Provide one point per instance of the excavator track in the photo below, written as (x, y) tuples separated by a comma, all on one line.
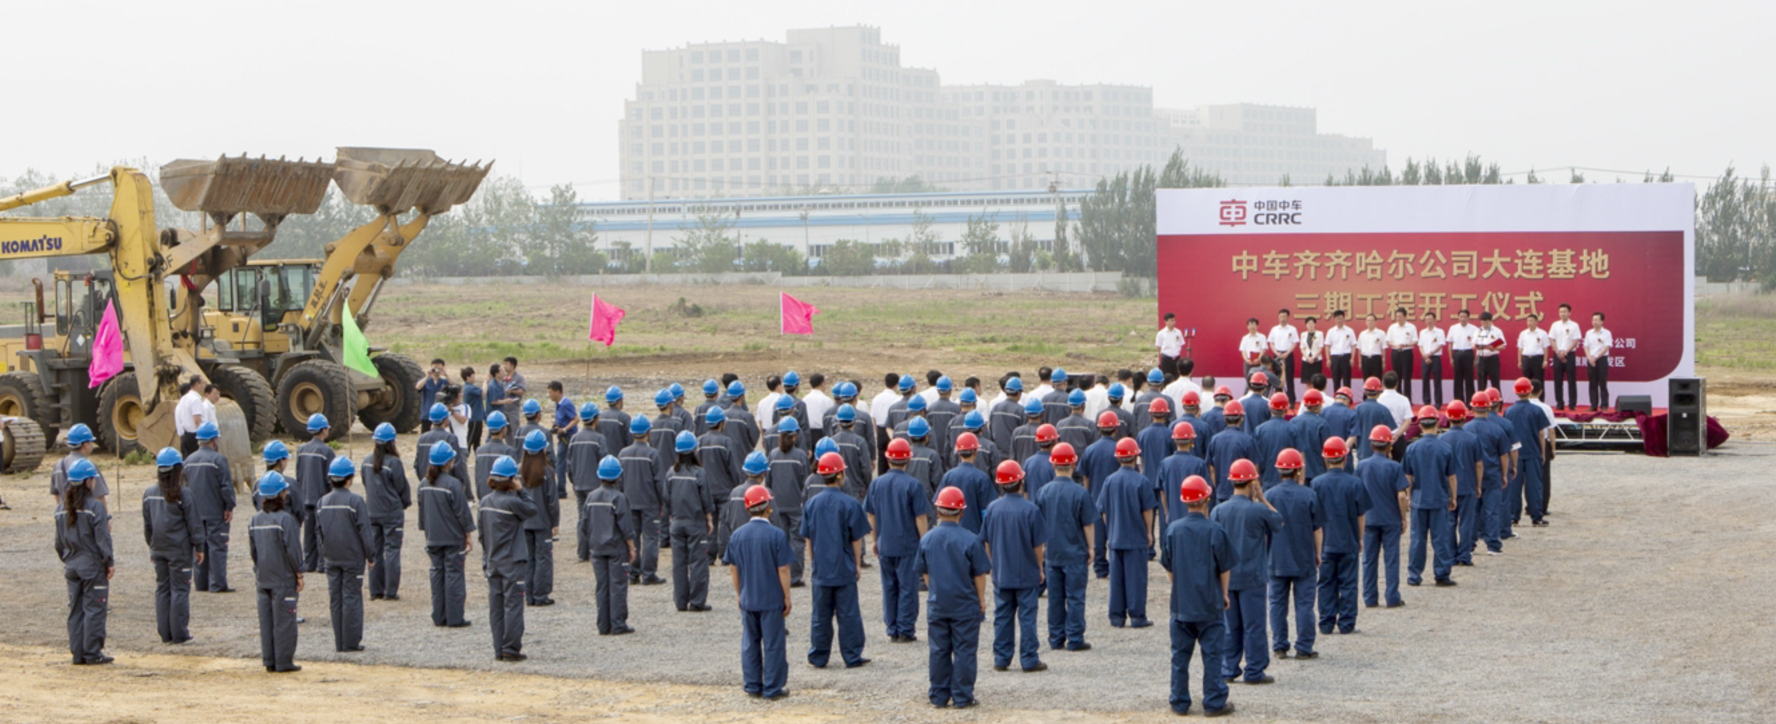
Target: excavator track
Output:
[(23, 446)]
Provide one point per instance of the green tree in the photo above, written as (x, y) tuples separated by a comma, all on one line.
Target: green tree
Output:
[(847, 258), (924, 239), (560, 245), (766, 256), (1062, 251), (980, 243), (909, 185), (1023, 248), (708, 247)]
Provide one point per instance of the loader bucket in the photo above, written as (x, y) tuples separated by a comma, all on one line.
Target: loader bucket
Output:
[(395, 180), (232, 186)]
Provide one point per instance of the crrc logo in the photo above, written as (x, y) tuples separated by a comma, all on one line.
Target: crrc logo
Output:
[(1233, 212), (1269, 212)]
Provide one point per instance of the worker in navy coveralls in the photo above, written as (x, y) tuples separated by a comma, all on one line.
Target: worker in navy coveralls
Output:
[(1343, 501), (897, 506), (1385, 482), (1069, 513), (1014, 533), (758, 555), (1198, 558), (834, 526), (1430, 470), (1250, 522), (1294, 556), (955, 568), (1128, 503)]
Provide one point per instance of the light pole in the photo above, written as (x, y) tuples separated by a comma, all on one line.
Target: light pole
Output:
[(866, 229)]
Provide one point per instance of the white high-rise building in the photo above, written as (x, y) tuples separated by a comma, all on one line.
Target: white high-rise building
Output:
[(1252, 144), (1041, 132)]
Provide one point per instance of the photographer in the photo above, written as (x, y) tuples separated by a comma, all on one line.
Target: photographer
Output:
[(429, 386)]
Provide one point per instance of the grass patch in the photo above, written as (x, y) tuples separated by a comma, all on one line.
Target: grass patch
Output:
[(1736, 332)]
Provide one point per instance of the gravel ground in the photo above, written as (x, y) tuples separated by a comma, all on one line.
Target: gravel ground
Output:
[(1648, 598)]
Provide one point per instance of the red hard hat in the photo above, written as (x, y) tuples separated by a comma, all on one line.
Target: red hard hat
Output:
[(1259, 379), (1279, 401), (1523, 386), (1233, 408), (899, 449), (830, 463), (1223, 391), (1334, 448), (1493, 395), (1190, 399), (1456, 410), (1344, 392), (1159, 406), (1127, 448), (1313, 398), (1062, 454), (1290, 459), (1183, 431), (951, 498), (1427, 412), (1047, 433), (1108, 419), (967, 441), (1242, 470), (1481, 400), (757, 495), (1010, 472), (1381, 433), (1194, 490), (1372, 384)]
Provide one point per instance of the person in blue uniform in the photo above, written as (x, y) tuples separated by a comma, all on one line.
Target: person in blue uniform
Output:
[(1370, 414), (1385, 483), (1023, 439), (1311, 429), (613, 422), (1529, 427), (897, 506), (388, 495), (440, 433), (1175, 469), (1250, 522), (1343, 501), (1198, 558), (1014, 532), (495, 447), (1054, 404), (312, 460), (644, 483), (1156, 446), (1294, 556), (789, 471), (83, 545), (976, 486), (1069, 513), (857, 448), (1430, 470), (171, 527), (1097, 463), (758, 557), (719, 454), (211, 481), (834, 525), (1216, 419), (1144, 410), (445, 519), (954, 565), (1341, 419), (1497, 454), (1228, 446), (1190, 410), (1038, 468), (1004, 419), (1128, 502), (1256, 405), (1273, 436), (926, 466), (605, 523), (690, 505), (1469, 469), (347, 549), (275, 546), (1075, 428), (732, 512), (536, 477), (578, 458), (504, 557)]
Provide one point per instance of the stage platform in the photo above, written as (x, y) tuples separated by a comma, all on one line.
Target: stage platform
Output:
[(1599, 431)]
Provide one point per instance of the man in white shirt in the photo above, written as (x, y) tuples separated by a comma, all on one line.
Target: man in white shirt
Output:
[(1461, 354), (1170, 341), (1097, 397), (767, 405), (1532, 348), (1183, 384), (1341, 342), (188, 415), (930, 393), (1598, 342), (1283, 339), (212, 395), (817, 400), (1566, 336), (1313, 351), (1402, 340), (1396, 403), (1371, 344), (1042, 390), (1253, 348), (1488, 341), (878, 409), (1430, 346)]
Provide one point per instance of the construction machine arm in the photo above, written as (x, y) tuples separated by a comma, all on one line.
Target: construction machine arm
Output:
[(65, 188)]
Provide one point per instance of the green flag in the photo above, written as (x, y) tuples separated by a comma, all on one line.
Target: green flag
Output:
[(357, 349)]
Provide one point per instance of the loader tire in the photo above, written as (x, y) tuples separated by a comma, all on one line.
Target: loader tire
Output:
[(398, 404), (249, 390), (316, 386), (24, 446), (22, 395), (121, 412)]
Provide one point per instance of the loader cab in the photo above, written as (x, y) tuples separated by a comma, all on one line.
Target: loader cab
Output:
[(254, 299), (80, 301)]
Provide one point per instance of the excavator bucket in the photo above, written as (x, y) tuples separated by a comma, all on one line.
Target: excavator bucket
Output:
[(231, 186), (395, 180)]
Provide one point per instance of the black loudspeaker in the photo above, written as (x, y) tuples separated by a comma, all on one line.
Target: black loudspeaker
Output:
[(1642, 404), (1687, 423)]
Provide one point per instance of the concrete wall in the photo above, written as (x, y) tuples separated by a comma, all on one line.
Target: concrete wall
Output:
[(1069, 282), (1705, 288)]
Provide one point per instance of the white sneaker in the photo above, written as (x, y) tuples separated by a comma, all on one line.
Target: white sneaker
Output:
[(1491, 552)]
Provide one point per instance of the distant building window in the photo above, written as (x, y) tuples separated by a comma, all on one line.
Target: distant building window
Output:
[(697, 76), (795, 56), (752, 54), (696, 56), (734, 56)]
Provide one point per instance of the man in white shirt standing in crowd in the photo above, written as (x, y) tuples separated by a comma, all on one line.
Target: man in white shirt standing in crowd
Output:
[(1461, 354), (1532, 349), (1430, 346), (188, 415), (1283, 340), (1313, 351), (1183, 384), (1566, 337), (1370, 345), (1487, 342), (1341, 341), (1253, 347), (1170, 342), (1598, 343), (1395, 402), (817, 400), (1402, 339)]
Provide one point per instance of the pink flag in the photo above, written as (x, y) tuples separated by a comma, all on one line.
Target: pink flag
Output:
[(605, 318), (798, 316), (107, 350)]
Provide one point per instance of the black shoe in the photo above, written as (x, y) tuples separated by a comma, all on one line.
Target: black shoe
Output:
[(1181, 712), (1038, 667), (222, 590), (1326, 630), (98, 661), (940, 704), (465, 623), (755, 695), (967, 704), (1280, 653), (177, 642), (777, 696), (1308, 655), (797, 584), (1349, 631), (1083, 646), (1464, 563), (1371, 605), (1223, 711), (1445, 582), (376, 598), (1265, 679), (682, 609), (652, 581), (1117, 624), (697, 607), (1001, 667), (1140, 623), (513, 658), (351, 650), (635, 580), (391, 597), (291, 670), (1413, 582), (1396, 604), (1508, 536), (543, 602), (1540, 524), (623, 629), (860, 662)]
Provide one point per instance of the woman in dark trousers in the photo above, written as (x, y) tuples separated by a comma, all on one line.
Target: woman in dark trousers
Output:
[(171, 527), (504, 558), (472, 396), (445, 519), (276, 550), (537, 476), (83, 543), (388, 495)]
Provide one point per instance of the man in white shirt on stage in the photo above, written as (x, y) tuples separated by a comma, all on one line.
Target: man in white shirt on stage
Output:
[(1341, 342), (1170, 341), (1598, 343), (1566, 337), (1370, 345), (1253, 347), (1488, 340), (1402, 339), (1313, 351), (1430, 346), (1283, 340), (1461, 354), (1532, 349)]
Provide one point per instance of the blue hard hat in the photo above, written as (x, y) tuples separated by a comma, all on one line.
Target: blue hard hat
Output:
[(918, 427), (167, 457), (756, 464), (208, 431), (916, 404), (825, 446), (1059, 375), (1154, 376), (341, 467), (613, 394), (275, 451), (504, 467), (677, 390), (663, 398), (1033, 407), (82, 470), (386, 432), (1076, 398), (944, 384), (439, 412), (711, 387), (1015, 384), (973, 420), (792, 379), (442, 453), (685, 442), (735, 389), (610, 468), (639, 426), (906, 383), (715, 416), (588, 411), (789, 424), (968, 397), (844, 390), (785, 402), (846, 413), (496, 420), (79, 435), (535, 441), (531, 408), (270, 484), (1117, 391), (318, 422)]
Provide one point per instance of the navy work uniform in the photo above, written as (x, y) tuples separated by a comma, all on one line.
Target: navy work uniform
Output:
[(1227, 446), (312, 460), (171, 528), (789, 470), (691, 506), (834, 526), (1015, 532), (1527, 426), (492, 450), (952, 560), (342, 525), (1128, 503), (1311, 431), (274, 544), (1273, 436), (1172, 473), (613, 422), (977, 488), (211, 482), (584, 450), (1383, 480), (606, 522), (1343, 502), (388, 495), (505, 563), (1294, 564), (1096, 464), (445, 519), (1369, 414), (440, 433), (1495, 454), (1023, 438), (1038, 471), (1465, 521), (926, 466), (83, 544), (1429, 465), (540, 529), (897, 504), (759, 555), (1007, 417), (1068, 513), (720, 455), (1198, 556), (644, 484), (1249, 525), (1257, 409)]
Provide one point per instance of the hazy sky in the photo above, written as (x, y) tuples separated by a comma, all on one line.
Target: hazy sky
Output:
[(539, 86)]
